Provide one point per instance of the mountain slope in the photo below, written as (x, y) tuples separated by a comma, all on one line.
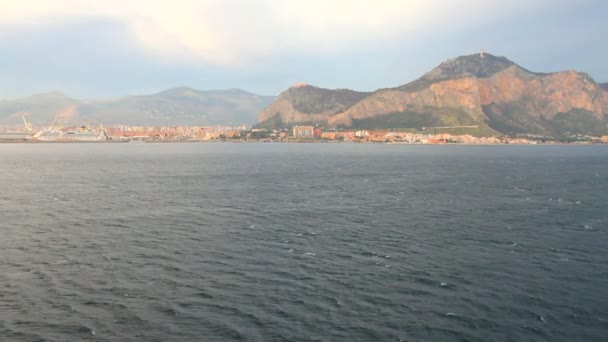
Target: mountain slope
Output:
[(176, 106), (181, 106), (489, 94), (307, 104), (472, 66), (40, 108)]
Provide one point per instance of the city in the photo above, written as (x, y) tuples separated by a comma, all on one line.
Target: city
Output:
[(297, 134)]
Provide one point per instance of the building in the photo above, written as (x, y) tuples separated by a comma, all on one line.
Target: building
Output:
[(362, 134), (346, 135), (303, 132), (329, 135)]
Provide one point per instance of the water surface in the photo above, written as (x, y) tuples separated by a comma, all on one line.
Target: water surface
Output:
[(303, 242)]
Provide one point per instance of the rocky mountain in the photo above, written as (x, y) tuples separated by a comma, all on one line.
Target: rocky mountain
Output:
[(480, 94), (177, 106), (477, 66), (307, 104)]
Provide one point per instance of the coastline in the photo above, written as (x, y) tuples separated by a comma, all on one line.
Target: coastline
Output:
[(35, 142)]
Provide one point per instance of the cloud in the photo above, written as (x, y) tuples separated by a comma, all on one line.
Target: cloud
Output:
[(236, 32)]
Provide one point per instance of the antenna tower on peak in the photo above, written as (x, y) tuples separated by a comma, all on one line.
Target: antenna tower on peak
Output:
[(482, 52)]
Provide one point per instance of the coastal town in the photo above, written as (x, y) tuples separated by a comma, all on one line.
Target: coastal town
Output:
[(298, 134)]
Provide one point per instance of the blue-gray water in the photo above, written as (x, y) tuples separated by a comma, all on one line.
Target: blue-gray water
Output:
[(303, 242)]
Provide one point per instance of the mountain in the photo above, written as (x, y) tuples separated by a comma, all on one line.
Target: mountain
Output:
[(480, 94), (176, 106), (478, 66), (38, 108), (604, 86), (307, 104)]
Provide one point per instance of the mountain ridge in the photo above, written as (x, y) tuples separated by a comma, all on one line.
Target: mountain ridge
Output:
[(173, 106), (491, 93)]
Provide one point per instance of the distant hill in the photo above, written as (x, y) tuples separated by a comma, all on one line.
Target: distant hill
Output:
[(40, 108), (176, 106), (604, 86), (480, 94)]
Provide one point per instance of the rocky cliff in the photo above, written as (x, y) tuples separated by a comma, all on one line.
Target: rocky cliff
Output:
[(489, 94)]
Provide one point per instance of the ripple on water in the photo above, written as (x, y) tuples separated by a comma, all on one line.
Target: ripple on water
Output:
[(302, 243)]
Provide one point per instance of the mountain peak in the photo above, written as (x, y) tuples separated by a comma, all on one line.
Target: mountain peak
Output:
[(305, 101), (479, 65), (300, 85), (303, 91)]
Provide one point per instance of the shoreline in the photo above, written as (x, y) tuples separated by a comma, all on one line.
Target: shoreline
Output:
[(295, 142)]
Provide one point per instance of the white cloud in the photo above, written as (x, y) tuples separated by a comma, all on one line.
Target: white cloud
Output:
[(232, 32)]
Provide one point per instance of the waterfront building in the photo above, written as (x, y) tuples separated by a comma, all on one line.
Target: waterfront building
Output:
[(303, 132), (362, 134)]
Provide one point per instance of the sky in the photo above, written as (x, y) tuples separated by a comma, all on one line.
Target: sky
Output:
[(107, 49)]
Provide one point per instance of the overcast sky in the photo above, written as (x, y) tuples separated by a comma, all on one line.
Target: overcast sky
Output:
[(99, 48)]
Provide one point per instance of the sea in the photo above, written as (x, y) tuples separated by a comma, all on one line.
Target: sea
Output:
[(303, 242)]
